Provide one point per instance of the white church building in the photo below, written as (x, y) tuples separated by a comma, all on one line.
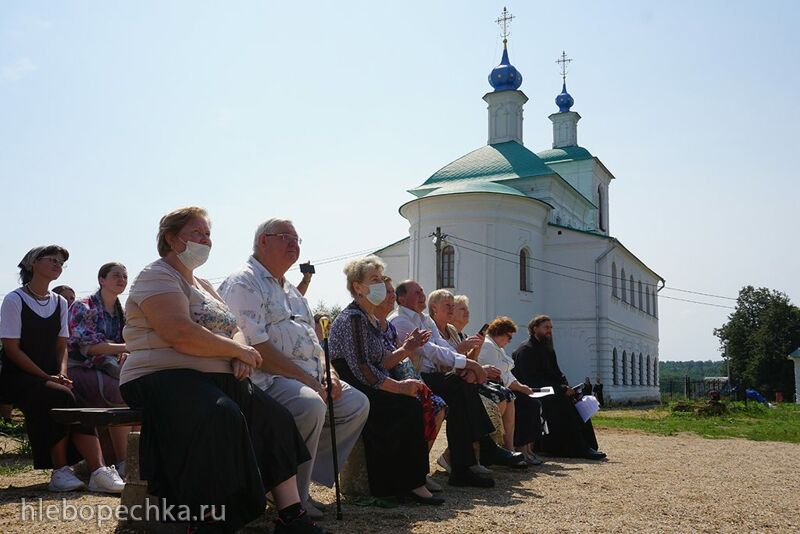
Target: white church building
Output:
[(527, 233)]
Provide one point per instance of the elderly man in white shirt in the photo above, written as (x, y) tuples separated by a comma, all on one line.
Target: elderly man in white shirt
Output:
[(276, 320), (467, 421)]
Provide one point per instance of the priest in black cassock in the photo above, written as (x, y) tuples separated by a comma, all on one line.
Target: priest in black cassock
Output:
[(535, 364)]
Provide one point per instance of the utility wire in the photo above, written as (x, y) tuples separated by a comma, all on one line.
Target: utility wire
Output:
[(515, 262), (583, 270)]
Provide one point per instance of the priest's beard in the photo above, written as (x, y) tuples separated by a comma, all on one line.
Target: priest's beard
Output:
[(545, 340)]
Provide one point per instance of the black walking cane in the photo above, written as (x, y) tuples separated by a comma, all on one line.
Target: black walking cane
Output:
[(325, 323)]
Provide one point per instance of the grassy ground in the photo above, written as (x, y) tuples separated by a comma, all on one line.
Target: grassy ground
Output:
[(754, 421)]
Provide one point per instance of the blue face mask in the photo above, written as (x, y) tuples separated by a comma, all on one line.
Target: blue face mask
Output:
[(377, 293)]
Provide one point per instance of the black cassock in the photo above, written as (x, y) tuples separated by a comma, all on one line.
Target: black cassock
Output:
[(535, 365)]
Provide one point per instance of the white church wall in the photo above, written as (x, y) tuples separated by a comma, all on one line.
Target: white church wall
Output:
[(489, 278), (396, 258)]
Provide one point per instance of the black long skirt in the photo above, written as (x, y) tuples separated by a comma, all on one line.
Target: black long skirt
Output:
[(567, 434), (35, 397), (527, 420), (209, 439), (394, 439)]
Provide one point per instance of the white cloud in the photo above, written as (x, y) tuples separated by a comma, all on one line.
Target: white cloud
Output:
[(16, 70)]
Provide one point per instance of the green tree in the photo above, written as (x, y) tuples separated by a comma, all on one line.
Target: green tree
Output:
[(759, 334), (332, 311)]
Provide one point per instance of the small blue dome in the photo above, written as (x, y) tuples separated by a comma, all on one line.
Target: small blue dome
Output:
[(564, 101), (505, 77)]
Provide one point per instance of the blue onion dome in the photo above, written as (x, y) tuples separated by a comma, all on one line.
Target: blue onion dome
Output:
[(505, 77), (564, 101)]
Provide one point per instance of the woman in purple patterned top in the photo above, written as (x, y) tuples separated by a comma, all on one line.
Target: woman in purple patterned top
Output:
[(97, 350)]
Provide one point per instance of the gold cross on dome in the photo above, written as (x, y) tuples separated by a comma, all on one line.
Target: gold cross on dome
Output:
[(563, 61), (505, 21)]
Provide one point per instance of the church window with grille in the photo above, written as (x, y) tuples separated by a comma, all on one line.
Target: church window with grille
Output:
[(633, 294), (648, 370), (624, 290), (624, 368), (448, 266), (614, 367), (614, 279), (641, 369), (633, 368), (601, 212), (641, 296), (524, 271)]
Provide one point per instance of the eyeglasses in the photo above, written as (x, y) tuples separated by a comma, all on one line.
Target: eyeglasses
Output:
[(287, 238), (54, 261)]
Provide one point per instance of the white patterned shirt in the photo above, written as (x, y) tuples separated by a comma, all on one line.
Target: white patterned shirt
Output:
[(437, 354), (268, 311)]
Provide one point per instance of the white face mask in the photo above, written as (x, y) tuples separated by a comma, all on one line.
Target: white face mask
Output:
[(194, 255), (377, 293)]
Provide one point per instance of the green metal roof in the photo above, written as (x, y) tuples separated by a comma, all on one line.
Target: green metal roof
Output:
[(476, 187), (561, 155), (502, 161)]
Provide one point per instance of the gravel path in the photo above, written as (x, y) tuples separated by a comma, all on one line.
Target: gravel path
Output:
[(650, 484)]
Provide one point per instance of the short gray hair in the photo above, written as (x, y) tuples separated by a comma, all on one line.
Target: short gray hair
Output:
[(462, 299), (356, 270), (437, 296), (267, 227)]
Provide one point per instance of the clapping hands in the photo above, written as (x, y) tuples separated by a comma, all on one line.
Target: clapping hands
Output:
[(416, 339)]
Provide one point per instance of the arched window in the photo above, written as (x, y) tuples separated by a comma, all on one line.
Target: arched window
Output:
[(614, 279), (641, 369), (633, 368), (624, 291), (448, 267), (647, 301), (655, 372), (601, 211), (655, 303), (641, 296), (648, 370), (624, 368), (524, 271), (614, 367), (633, 294)]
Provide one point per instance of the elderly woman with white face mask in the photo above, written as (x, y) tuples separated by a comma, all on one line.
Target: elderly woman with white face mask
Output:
[(209, 437), (394, 440)]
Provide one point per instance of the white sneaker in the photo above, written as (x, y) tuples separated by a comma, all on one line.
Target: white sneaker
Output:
[(64, 479), (106, 480)]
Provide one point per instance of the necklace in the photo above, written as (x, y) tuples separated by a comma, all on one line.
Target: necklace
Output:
[(41, 300)]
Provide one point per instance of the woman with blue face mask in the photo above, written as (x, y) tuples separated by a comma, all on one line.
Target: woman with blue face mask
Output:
[(395, 444), (208, 436)]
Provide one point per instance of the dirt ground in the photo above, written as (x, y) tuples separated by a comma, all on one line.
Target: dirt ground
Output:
[(649, 484)]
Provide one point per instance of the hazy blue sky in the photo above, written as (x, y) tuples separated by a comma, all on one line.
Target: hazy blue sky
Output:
[(113, 113)]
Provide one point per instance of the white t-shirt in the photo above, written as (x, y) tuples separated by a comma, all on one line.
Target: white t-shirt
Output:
[(11, 313)]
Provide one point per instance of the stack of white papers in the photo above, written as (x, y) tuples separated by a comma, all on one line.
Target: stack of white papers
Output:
[(544, 392)]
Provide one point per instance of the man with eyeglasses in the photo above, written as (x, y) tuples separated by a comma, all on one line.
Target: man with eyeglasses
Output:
[(275, 319)]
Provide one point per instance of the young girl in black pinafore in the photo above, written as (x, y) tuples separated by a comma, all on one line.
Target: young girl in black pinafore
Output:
[(34, 331)]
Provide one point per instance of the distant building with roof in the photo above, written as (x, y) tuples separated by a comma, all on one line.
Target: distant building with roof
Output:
[(528, 233)]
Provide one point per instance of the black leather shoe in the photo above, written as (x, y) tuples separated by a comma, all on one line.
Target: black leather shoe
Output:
[(466, 478), (419, 499), (504, 457), (591, 454)]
